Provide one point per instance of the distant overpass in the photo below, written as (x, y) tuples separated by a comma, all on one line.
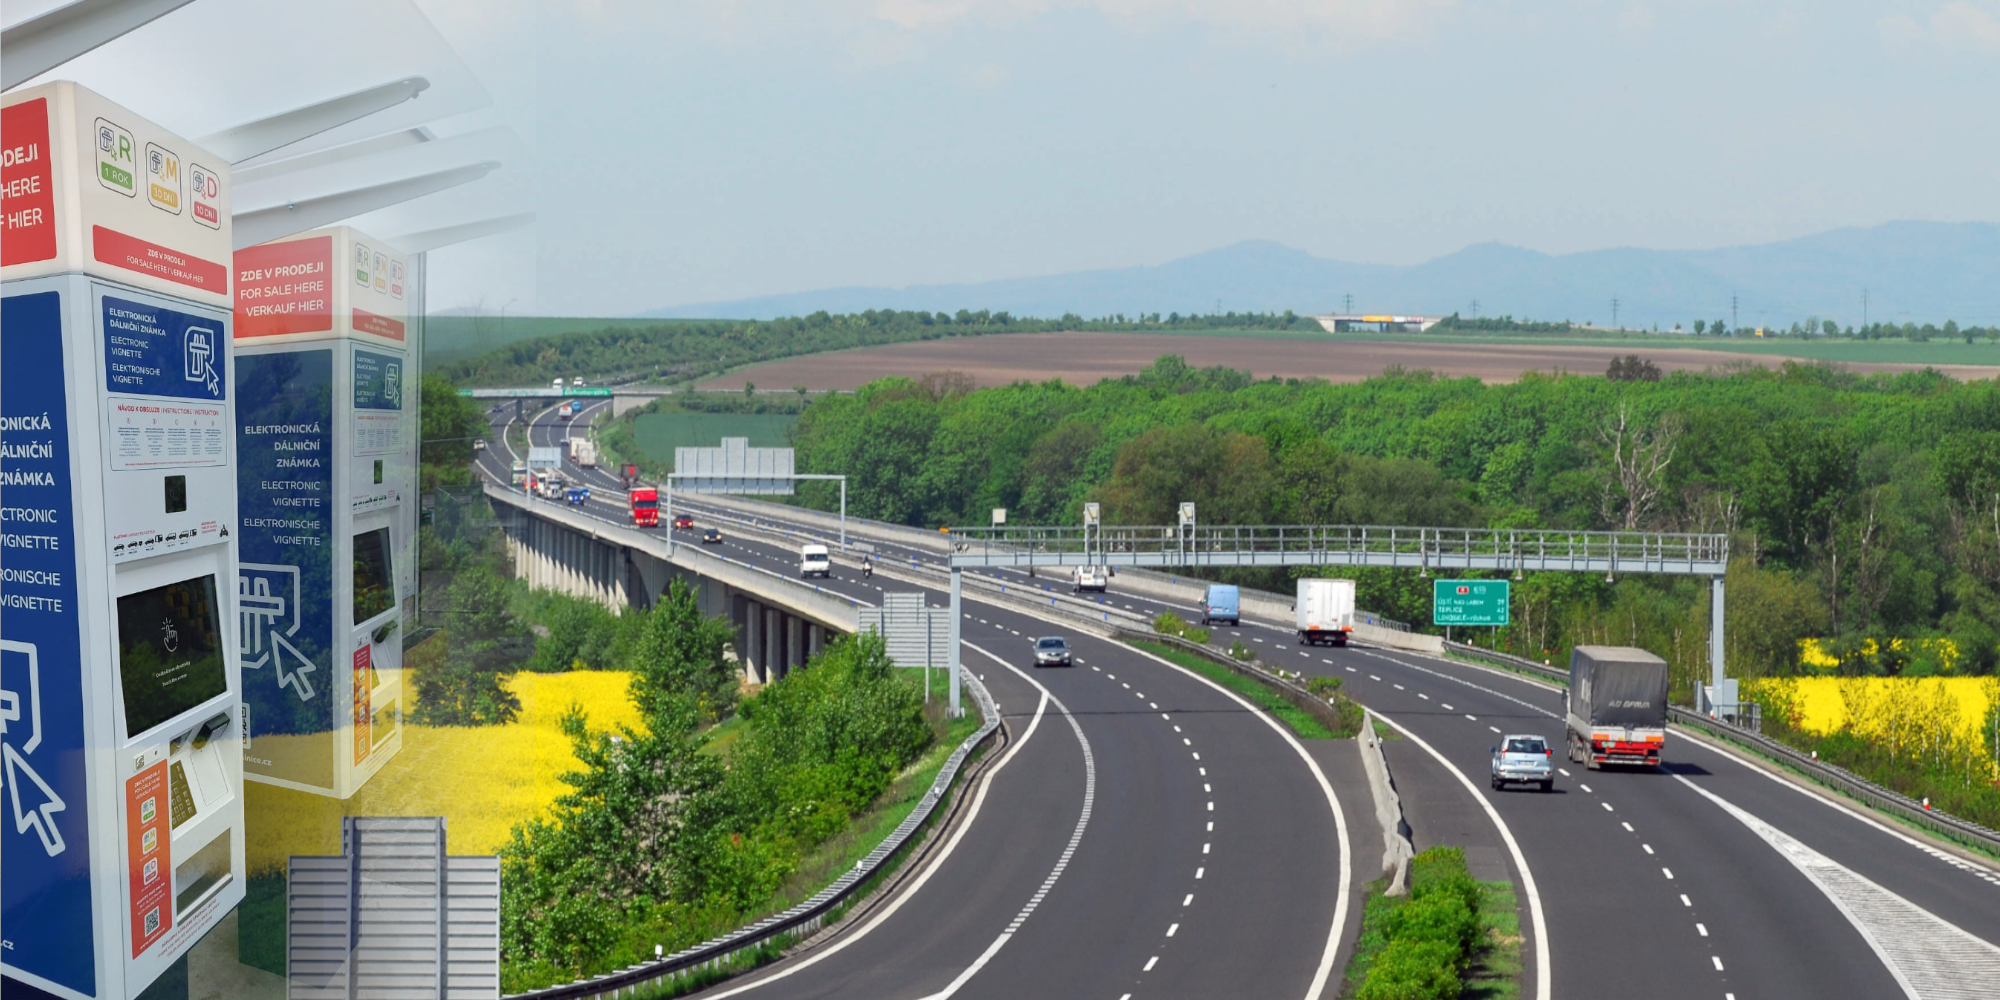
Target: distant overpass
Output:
[(1376, 323), (623, 398)]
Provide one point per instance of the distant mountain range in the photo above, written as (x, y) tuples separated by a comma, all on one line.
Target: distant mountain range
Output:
[(1911, 271)]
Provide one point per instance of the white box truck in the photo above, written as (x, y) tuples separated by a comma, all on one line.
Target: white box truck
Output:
[(583, 453), (1325, 611)]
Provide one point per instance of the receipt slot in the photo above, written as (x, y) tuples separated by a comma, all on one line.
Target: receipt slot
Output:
[(326, 440), (121, 788)]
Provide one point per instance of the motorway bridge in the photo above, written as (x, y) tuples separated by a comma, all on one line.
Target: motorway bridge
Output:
[(1145, 834)]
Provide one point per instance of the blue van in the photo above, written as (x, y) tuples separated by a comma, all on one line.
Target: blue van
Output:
[(1223, 604)]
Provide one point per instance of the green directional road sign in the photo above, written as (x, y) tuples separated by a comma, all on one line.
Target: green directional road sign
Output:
[(1469, 602)]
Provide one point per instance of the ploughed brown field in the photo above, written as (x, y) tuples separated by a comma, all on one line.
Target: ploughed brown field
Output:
[(1084, 358)]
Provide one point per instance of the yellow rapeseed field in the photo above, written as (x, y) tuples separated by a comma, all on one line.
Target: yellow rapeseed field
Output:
[(482, 779), (1875, 706)]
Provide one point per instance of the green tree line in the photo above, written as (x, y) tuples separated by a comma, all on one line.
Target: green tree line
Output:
[(1857, 506)]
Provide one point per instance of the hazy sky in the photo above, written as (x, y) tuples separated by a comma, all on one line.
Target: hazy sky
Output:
[(694, 151)]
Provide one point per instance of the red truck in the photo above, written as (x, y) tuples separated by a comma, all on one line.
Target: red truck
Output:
[(644, 503)]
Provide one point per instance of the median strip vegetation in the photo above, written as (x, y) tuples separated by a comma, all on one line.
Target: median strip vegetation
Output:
[(1451, 937), (1301, 722)]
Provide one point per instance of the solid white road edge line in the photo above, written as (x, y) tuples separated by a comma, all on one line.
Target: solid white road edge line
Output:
[(978, 800), (1514, 848), (1325, 970), (1076, 835)]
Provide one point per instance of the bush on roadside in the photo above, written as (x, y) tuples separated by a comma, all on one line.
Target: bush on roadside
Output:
[(1429, 939), (1194, 634), (1412, 970), (1241, 651), (1168, 623)]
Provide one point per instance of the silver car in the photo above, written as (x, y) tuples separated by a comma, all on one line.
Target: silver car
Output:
[(1051, 651), (1523, 759)]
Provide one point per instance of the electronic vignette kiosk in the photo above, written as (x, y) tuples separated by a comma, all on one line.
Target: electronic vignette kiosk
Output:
[(121, 822), (328, 484)]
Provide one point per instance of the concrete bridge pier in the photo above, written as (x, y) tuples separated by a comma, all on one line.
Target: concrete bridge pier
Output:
[(779, 624)]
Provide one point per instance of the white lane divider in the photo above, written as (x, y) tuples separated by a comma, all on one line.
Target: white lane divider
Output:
[(1076, 836), (1929, 957), (1528, 886)]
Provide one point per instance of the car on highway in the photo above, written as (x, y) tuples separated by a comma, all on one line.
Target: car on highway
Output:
[(683, 522), (711, 536), (1525, 759), (1052, 651)]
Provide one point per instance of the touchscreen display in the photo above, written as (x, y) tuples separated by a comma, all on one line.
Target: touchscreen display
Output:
[(169, 652), (374, 575)]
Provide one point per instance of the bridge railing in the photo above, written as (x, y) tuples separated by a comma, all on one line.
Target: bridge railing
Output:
[(1342, 545)]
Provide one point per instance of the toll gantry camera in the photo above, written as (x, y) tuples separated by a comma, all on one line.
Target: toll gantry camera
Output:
[(120, 694)]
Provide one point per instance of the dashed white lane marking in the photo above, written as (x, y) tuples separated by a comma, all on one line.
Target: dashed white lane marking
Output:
[(1373, 677), (1606, 805), (1199, 872), (1929, 957), (1628, 828), (1155, 960), (1076, 835), (1471, 716), (1448, 708), (1563, 771), (1204, 848), (1205, 790), (1398, 687), (1717, 959), (1494, 728), (1648, 848), (1580, 784), (1151, 704), (1171, 928), (1189, 899), (1685, 901), (1702, 928), (1668, 872), (1124, 685), (1350, 670)]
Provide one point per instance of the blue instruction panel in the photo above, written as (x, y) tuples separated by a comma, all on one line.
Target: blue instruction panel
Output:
[(45, 911), (151, 350), (285, 540)]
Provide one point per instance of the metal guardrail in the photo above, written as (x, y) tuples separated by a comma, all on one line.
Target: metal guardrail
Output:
[(1945, 825), (806, 917), (1506, 549)]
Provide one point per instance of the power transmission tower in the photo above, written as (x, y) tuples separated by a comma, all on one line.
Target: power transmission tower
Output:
[(1475, 308), (1348, 307), (1732, 311), (1614, 312), (1864, 307)]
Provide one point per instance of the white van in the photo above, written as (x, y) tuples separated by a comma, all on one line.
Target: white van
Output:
[(1090, 579), (814, 561)]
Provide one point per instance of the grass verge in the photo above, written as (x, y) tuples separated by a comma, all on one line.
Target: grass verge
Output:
[(1496, 964), (1301, 722)]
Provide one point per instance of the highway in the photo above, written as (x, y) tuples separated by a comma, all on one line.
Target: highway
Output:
[(1145, 834), (1709, 878)]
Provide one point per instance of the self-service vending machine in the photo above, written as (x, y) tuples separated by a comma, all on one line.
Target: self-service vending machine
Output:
[(121, 815), (327, 481)]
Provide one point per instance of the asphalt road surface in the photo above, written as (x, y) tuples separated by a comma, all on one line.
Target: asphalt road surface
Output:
[(1710, 877)]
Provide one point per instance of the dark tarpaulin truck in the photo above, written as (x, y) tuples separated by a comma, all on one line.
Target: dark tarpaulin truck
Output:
[(1617, 706)]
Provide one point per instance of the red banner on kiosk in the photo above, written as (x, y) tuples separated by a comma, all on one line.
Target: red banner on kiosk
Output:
[(363, 716), (149, 856), (27, 189), (284, 288)]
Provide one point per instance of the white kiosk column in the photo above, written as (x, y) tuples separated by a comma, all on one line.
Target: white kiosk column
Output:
[(328, 484), (120, 696)]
